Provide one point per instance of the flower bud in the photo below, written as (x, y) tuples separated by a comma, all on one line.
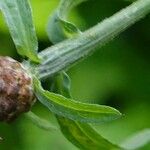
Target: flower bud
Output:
[(16, 93)]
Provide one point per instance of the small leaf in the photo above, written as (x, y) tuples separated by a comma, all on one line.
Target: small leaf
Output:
[(58, 26), (18, 17), (41, 123), (138, 140), (74, 110)]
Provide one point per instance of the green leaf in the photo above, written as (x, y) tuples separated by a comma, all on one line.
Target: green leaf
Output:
[(80, 134), (138, 140), (18, 16), (74, 110), (84, 136), (58, 26), (41, 123)]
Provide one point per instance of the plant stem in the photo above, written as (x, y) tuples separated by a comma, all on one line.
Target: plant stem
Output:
[(66, 53), (41, 123)]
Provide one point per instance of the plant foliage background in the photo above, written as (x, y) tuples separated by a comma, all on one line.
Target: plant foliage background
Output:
[(116, 75)]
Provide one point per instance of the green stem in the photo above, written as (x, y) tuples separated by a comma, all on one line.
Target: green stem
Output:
[(64, 54), (41, 123)]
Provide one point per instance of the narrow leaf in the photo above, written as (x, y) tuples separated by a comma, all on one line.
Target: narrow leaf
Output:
[(138, 140), (80, 134), (84, 136), (74, 110), (58, 26), (18, 16), (41, 123)]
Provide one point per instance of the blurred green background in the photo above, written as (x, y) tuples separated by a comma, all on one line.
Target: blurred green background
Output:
[(117, 75)]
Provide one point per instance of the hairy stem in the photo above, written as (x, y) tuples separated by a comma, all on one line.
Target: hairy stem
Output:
[(65, 54)]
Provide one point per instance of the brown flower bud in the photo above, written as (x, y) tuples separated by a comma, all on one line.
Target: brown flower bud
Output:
[(16, 94)]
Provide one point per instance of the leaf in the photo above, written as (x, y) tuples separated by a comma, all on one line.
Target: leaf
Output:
[(41, 123), (80, 134), (138, 140), (74, 110), (18, 16), (58, 26), (84, 136)]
